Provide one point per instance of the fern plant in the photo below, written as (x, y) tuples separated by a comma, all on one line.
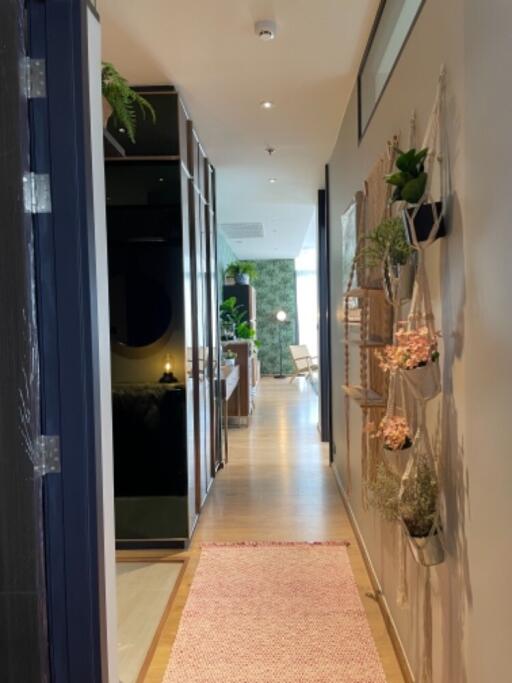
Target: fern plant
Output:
[(123, 100)]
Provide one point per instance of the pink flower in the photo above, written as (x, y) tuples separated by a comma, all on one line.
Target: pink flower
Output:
[(395, 432), (413, 348)]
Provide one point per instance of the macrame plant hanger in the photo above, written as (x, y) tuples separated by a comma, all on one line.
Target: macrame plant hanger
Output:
[(424, 382)]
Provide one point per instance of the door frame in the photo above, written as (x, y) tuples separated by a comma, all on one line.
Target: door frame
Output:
[(67, 317), (324, 315)]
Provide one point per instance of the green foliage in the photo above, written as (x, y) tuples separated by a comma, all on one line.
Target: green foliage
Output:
[(232, 313), (383, 493), (242, 268), (123, 99), (410, 180), (244, 331), (418, 505), (387, 241), (230, 354)]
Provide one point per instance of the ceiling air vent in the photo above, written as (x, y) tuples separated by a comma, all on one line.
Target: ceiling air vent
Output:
[(242, 231)]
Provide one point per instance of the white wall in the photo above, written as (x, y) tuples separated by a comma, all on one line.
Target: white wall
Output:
[(469, 271), (105, 484)]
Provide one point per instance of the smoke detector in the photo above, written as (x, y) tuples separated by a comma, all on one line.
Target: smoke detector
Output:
[(266, 29)]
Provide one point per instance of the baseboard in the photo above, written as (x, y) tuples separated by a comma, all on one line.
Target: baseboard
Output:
[(382, 602)]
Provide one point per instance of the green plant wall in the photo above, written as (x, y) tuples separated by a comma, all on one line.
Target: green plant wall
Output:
[(276, 290)]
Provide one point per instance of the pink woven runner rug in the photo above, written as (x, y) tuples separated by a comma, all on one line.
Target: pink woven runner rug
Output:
[(274, 613)]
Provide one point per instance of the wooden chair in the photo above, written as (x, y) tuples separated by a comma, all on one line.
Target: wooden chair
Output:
[(305, 363)]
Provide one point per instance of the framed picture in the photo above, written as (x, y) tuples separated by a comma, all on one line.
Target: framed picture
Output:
[(351, 231)]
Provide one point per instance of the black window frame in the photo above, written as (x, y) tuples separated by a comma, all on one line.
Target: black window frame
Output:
[(361, 130)]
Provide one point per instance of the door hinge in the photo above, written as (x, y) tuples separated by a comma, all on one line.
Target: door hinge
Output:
[(48, 455), (36, 193), (34, 77)]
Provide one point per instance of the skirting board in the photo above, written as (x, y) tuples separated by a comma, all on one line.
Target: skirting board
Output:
[(384, 607)]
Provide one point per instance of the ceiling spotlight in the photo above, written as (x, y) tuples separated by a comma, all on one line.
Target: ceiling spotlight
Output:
[(266, 104), (270, 150), (265, 30), (272, 180)]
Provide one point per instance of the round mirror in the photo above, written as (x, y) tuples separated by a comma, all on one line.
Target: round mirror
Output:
[(140, 310)]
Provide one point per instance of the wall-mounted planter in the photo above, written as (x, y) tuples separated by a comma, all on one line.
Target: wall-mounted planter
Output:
[(424, 221), (427, 550), (242, 279), (424, 381)]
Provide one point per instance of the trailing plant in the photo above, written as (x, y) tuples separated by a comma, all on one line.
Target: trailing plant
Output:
[(242, 268), (387, 241), (410, 178), (230, 354), (383, 492), (123, 99), (413, 349), (244, 331)]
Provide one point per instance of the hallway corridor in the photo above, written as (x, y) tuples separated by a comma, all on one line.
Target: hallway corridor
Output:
[(277, 486)]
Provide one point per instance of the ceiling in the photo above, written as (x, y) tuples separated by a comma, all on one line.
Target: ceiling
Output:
[(209, 50)]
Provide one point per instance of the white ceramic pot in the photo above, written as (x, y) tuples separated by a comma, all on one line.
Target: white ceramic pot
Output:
[(230, 362), (424, 381), (428, 550)]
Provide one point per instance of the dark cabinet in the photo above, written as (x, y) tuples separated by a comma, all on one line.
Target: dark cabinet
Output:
[(163, 299)]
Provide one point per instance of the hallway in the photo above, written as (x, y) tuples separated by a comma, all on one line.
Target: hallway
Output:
[(277, 486)]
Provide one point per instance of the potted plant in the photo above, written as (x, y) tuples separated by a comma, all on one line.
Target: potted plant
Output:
[(410, 183), (412, 501), (397, 441), (416, 355), (417, 509), (386, 247), (230, 358), (120, 101), (242, 272), (231, 315)]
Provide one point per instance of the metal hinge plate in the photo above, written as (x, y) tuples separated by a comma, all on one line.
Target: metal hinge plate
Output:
[(34, 77), (48, 451), (36, 193)]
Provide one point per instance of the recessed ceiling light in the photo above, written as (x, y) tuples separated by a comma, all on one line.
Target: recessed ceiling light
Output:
[(272, 180), (266, 104), (160, 180)]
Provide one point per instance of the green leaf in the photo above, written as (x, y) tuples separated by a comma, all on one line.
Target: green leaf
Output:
[(414, 190), (406, 162)]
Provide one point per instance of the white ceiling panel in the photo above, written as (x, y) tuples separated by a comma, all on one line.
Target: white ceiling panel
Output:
[(208, 49)]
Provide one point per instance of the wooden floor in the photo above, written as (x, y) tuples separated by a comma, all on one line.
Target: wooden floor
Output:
[(277, 486)]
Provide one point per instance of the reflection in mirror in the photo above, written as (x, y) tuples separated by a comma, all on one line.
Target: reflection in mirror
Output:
[(140, 310)]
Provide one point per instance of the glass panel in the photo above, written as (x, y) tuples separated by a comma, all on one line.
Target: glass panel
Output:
[(23, 634), (394, 25)]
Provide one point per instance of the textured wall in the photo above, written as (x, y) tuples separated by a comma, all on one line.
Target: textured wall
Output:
[(470, 279), (276, 289)]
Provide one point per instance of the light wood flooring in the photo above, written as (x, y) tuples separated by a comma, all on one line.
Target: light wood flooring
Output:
[(278, 486)]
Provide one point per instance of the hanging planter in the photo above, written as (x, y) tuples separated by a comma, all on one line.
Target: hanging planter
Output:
[(424, 381), (396, 459), (427, 550), (418, 503), (398, 281), (424, 218)]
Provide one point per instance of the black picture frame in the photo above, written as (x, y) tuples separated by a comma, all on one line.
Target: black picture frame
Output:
[(361, 130)]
